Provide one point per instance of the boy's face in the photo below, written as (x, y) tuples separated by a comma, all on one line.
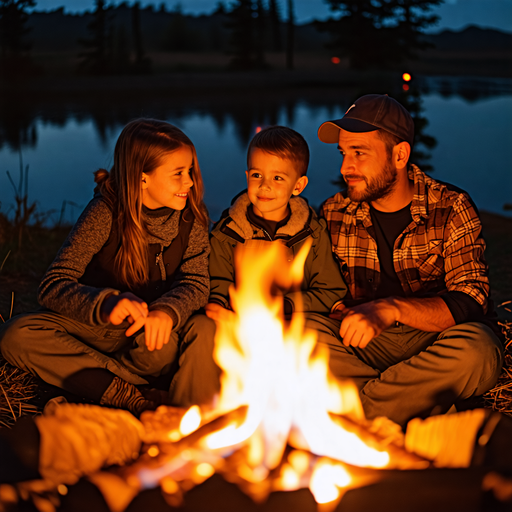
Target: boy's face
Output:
[(271, 181)]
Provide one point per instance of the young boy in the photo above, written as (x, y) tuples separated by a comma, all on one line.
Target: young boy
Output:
[(277, 161)]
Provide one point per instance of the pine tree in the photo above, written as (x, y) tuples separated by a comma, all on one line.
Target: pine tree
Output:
[(121, 50), (14, 48), (378, 33), (220, 8), (355, 32), (261, 15), (241, 23), (179, 37), (414, 17), (97, 60), (274, 16), (290, 35), (142, 63)]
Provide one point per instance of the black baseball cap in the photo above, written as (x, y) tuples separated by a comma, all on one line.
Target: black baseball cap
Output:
[(369, 113)]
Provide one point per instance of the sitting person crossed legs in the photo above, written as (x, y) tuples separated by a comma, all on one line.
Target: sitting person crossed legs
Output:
[(416, 329)]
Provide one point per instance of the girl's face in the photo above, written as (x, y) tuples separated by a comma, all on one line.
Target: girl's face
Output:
[(169, 184)]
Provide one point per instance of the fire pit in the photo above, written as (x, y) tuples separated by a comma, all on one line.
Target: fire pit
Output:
[(282, 435)]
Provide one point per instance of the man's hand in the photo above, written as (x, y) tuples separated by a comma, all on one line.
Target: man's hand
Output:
[(217, 312), (157, 327), (126, 306), (360, 324)]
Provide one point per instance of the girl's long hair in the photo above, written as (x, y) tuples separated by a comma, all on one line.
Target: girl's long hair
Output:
[(140, 149)]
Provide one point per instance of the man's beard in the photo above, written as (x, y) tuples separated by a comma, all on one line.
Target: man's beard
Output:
[(377, 187)]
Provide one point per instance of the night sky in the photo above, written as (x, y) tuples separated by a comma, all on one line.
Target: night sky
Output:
[(455, 14)]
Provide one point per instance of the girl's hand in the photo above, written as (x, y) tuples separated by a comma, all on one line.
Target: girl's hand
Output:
[(158, 328), (117, 308), (217, 312)]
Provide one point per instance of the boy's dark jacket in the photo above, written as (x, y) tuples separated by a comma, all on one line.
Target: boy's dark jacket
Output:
[(322, 286)]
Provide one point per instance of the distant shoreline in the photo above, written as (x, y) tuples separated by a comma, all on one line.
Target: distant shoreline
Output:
[(191, 82)]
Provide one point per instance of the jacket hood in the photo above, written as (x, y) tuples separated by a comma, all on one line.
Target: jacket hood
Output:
[(239, 223)]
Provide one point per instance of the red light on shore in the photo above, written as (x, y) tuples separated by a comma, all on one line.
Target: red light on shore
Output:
[(335, 60), (405, 87), (258, 129), (406, 77)]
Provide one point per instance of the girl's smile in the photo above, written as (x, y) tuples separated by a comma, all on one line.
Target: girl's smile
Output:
[(169, 184)]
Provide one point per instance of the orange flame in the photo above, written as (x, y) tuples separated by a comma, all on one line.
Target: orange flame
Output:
[(279, 373)]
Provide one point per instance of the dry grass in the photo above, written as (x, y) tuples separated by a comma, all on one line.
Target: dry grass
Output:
[(499, 398), (17, 389)]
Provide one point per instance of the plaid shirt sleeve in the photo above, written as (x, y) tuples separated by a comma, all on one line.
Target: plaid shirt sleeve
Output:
[(464, 263)]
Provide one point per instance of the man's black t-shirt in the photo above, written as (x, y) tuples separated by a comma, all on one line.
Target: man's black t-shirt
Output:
[(387, 228)]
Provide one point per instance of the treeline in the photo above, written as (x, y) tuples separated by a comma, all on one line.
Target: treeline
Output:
[(120, 39)]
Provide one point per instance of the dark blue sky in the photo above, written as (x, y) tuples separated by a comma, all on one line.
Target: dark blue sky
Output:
[(455, 14)]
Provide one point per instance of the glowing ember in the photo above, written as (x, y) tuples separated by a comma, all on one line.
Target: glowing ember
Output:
[(326, 481), (190, 421)]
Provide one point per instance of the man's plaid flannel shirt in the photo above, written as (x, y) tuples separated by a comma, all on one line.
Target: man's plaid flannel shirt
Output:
[(441, 250)]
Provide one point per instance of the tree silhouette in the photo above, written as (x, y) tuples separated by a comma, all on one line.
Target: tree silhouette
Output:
[(413, 17), (14, 58), (423, 143), (378, 33), (121, 50), (142, 63), (177, 39), (260, 21), (97, 60), (246, 22), (274, 16), (220, 8), (290, 35)]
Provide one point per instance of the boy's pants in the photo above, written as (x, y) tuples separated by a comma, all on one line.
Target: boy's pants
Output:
[(58, 349), (405, 373)]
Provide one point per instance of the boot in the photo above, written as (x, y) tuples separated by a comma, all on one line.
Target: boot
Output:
[(123, 395)]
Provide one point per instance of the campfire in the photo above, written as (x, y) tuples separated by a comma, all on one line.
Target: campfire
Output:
[(281, 422)]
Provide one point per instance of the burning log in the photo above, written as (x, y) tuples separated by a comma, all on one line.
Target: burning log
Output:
[(79, 439), (162, 425), (175, 466), (400, 458)]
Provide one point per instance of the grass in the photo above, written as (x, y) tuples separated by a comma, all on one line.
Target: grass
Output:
[(500, 397), (18, 390)]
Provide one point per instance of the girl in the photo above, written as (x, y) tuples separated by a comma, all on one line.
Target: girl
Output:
[(118, 296)]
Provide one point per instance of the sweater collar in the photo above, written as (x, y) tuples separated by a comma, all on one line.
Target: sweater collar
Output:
[(240, 223), (164, 211)]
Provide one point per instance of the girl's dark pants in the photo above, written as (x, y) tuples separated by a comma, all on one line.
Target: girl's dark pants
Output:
[(80, 358)]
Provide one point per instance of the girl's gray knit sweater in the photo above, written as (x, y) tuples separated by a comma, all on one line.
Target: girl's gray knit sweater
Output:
[(61, 292)]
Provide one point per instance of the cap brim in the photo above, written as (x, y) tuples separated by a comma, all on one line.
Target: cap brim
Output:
[(329, 132)]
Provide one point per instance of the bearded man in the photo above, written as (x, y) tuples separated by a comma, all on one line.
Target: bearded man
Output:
[(416, 331)]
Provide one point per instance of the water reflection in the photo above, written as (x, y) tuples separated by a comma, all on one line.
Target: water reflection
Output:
[(471, 89), (65, 140)]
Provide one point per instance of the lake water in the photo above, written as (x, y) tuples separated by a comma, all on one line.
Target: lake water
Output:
[(63, 142)]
